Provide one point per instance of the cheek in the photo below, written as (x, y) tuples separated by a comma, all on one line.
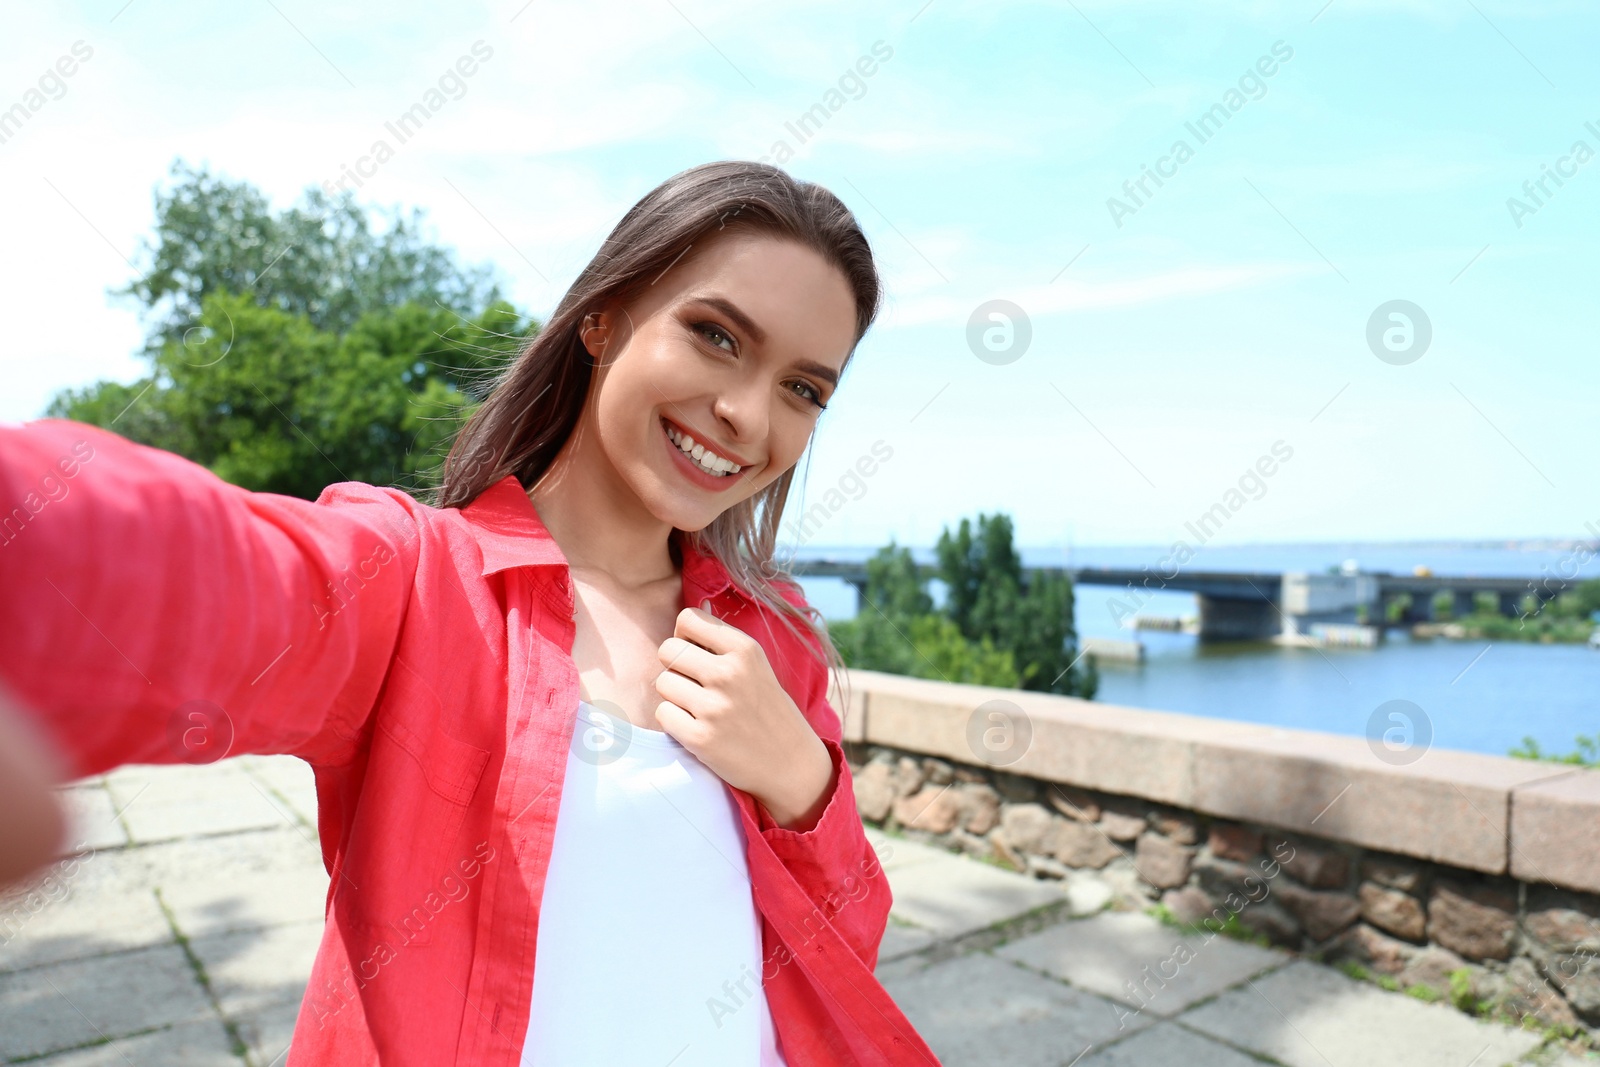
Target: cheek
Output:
[(787, 446)]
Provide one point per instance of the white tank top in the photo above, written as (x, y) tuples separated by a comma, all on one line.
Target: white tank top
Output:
[(649, 947)]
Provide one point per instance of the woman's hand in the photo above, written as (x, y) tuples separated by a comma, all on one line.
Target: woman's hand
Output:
[(33, 825), (721, 701)]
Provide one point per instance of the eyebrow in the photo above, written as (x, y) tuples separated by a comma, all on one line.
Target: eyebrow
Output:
[(759, 335)]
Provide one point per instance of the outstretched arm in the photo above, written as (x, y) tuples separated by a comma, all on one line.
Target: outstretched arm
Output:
[(153, 613)]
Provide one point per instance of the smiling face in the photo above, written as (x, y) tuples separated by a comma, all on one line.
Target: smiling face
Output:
[(736, 346)]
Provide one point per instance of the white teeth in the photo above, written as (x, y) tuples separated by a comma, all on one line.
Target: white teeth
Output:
[(706, 460)]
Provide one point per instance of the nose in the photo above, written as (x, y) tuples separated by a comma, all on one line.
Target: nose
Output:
[(743, 409)]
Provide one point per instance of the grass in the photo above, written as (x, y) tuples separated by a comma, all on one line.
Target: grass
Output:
[(1463, 999), (1231, 927), (235, 1039), (1588, 754), (1461, 994), (1354, 970)]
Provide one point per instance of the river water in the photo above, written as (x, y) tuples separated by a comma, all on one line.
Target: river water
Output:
[(1480, 696)]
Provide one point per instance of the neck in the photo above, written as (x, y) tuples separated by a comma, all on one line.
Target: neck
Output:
[(598, 522)]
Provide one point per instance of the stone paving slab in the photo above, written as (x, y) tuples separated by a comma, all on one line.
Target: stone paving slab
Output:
[(69, 1005), (88, 905), (978, 1010), (246, 887), (252, 970), (243, 882), (267, 1033), (1305, 1015), (67, 929), (897, 852), (162, 803), (198, 1044), (901, 939), (1135, 959), (1167, 1043), (290, 778), (92, 816), (949, 895)]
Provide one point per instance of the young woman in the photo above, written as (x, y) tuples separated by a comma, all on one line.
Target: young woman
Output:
[(580, 790)]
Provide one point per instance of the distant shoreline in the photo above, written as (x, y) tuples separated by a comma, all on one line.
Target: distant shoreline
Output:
[(1525, 544)]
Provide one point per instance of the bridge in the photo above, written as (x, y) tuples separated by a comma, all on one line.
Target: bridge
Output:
[(1261, 605)]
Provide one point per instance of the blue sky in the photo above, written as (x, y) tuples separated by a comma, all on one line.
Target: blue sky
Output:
[(1226, 314)]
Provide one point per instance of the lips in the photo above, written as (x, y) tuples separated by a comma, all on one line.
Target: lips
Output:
[(700, 440), (692, 470)]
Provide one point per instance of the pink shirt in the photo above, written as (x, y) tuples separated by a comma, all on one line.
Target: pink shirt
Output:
[(420, 660)]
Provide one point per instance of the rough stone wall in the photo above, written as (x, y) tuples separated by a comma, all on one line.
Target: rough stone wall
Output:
[(1491, 945)]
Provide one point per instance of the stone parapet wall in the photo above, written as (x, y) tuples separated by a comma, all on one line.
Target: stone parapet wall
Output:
[(1291, 849)]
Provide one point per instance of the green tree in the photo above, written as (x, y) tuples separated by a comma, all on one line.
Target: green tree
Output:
[(992, 629), (898, 631), (321, 258), (1396, 609), (1444, 605), (1579, 602), (988, 598), (293, 350)]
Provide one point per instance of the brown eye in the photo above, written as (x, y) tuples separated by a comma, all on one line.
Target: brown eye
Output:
[(710, 328), (810, 393)]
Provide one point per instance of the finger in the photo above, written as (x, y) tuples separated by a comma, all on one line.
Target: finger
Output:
[(706, 630), (682, 690), (687, 658), (679, 725)]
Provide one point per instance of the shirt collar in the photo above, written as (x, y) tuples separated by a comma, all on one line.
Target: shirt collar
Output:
[(510, 534)]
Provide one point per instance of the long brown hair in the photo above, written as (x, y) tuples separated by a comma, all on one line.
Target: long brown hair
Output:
[(535, 402)]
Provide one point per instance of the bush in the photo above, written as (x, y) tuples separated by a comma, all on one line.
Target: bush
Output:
[(994, 629)]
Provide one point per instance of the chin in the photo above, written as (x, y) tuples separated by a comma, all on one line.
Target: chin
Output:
[(673, 510)]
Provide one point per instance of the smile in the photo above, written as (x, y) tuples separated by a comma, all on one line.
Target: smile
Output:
[(703, 459)]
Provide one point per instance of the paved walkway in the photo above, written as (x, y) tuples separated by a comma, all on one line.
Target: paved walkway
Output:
[(184, 933)]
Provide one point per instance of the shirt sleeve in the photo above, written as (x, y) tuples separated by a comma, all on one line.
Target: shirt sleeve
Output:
[(154, 613), (833, 861)]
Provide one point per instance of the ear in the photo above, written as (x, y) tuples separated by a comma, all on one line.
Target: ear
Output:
[(594, 330), (604, 331)]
